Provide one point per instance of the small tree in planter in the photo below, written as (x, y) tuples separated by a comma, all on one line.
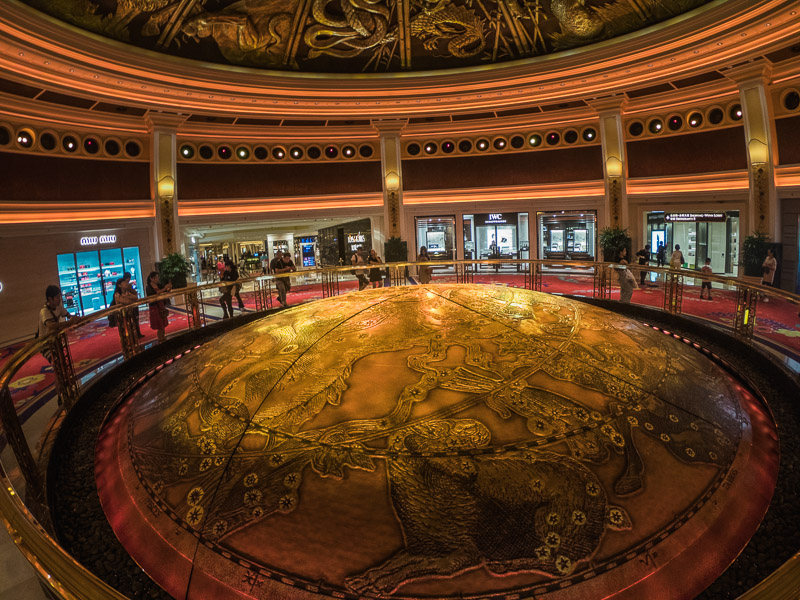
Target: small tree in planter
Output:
[(612, 241), (754, 251), (174, 268), (396, 250)]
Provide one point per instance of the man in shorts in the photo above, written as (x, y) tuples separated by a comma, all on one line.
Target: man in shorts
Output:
[(283, 265)]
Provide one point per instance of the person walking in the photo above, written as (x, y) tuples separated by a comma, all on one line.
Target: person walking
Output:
[(424, 271), (159, 314), (284, 284), (627, 282), (676, 260), (644, 259), (706, 285), (225, 300), (661, 255), (375, 272), (768, 268), (356, 260), (238, 286)]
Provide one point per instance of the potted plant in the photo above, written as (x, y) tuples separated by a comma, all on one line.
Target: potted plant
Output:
[(174, 268), (396, 250), (612, 241), (754, 251)]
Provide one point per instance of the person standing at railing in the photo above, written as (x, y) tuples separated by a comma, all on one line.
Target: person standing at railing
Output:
[(283, 283), (375, 275), (159, 315), (126, 282), (123, 295), (676, 260), (356, 260), (424, 271), (627, 282), (768, 268), (644, 259), (51, 314), (706, 285)]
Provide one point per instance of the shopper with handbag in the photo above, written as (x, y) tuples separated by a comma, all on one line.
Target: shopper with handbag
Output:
[(159, 314)]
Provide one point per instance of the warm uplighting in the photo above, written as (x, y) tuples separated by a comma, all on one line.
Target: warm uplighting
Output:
[(613, 166), (166, 186), (758, 150), (392, 181)]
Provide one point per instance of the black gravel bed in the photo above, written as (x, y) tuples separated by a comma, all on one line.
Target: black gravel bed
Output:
[(78, 519), (778, 537), (82, 529)]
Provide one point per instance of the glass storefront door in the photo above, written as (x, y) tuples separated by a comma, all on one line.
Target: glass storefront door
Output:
[(566, 235), (700, 235), (496, 236), (438, 234)]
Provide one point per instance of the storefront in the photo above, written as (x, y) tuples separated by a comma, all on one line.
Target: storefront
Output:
[(338, 243), (496, 235), (438, 235), (567, 235), (88, 278), (305, 249), (700, 235)]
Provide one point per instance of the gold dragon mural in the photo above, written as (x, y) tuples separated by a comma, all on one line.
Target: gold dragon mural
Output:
[(441, 430), (362, 35)]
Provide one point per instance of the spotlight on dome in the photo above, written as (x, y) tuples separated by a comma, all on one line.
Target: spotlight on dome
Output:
[(243, 153), (482, 145), (224, 152), (448, 147), (331, 151), (535, 140), (431, 148), (349, 151)]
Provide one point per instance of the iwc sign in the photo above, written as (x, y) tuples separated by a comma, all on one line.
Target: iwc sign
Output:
[(93, 240)]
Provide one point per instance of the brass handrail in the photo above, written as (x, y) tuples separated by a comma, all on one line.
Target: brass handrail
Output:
[(66, 578)]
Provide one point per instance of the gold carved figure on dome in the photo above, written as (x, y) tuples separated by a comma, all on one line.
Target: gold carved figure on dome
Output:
[(251, 414), (459, 26), (355, 26), (248, 32), (512, 512)]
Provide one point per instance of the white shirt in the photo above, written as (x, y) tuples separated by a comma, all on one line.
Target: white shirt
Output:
[(770, 263), (50, 315)]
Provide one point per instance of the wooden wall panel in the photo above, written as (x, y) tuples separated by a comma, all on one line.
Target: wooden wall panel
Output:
[(520, 168), (37, 177), (788, 131), (704, 152), (197, 181)]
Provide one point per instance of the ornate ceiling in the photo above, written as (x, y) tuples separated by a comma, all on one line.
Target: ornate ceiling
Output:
[(351, 36)]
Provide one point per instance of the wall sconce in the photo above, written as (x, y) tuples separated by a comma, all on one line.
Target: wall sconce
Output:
[(613, 166), (392, 180), (758, 150), (166, 187)]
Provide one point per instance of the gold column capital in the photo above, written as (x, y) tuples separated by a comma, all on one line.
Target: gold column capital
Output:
[(758, 71), (163, 120), (614, 104), (389, 126)]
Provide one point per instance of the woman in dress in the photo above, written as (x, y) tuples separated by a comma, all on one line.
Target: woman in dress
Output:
[(676, 260), (159, 315), (626, 279), (375, 272), (424, 271), (768, 268)]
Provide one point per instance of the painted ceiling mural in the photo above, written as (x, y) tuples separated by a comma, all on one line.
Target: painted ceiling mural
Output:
[(362, 35)]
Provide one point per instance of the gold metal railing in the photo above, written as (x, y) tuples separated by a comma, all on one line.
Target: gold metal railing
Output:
[(28, 520)]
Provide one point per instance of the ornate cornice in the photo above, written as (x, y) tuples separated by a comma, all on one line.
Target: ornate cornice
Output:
[(36, 48)]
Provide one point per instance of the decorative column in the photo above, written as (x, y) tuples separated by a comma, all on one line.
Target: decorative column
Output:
[(392, 170), (163, 179), (612, 136), (759, 130)]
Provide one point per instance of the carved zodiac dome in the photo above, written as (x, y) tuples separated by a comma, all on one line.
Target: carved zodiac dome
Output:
[(436, 441)]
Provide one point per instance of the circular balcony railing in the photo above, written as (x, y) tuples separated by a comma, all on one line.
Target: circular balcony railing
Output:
[(31, 403)]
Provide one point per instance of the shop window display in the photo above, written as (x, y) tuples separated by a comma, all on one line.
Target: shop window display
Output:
[(566, 235), (438, 235), (493, 236), (701, 235)]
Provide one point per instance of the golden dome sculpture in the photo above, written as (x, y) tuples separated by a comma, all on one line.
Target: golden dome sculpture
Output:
[(440, 441)]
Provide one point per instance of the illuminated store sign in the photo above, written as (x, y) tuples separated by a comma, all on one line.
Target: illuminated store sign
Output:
[(694, 217), (93, 240), (496, 219), (356, 238)]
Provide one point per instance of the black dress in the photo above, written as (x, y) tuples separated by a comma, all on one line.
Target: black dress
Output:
[(374, 272)]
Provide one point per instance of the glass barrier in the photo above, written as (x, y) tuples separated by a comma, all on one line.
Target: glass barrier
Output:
[(42, 379)]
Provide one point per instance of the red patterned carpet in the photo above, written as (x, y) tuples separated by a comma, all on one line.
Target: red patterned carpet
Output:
[(777, 325)]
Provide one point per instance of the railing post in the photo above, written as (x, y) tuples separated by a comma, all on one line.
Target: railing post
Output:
[(673, 292), (193, 317), (258, 293), (398, 276), (745, 319), (602, 282), (19, 445), (536, 277), (128, 336), (60, 358)]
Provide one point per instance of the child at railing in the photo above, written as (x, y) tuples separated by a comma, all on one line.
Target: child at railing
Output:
[(706, 269)]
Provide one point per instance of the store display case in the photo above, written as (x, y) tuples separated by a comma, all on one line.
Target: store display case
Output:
[(68, 281)]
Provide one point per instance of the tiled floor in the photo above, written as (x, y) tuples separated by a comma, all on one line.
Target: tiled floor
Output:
[(17, 578)]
